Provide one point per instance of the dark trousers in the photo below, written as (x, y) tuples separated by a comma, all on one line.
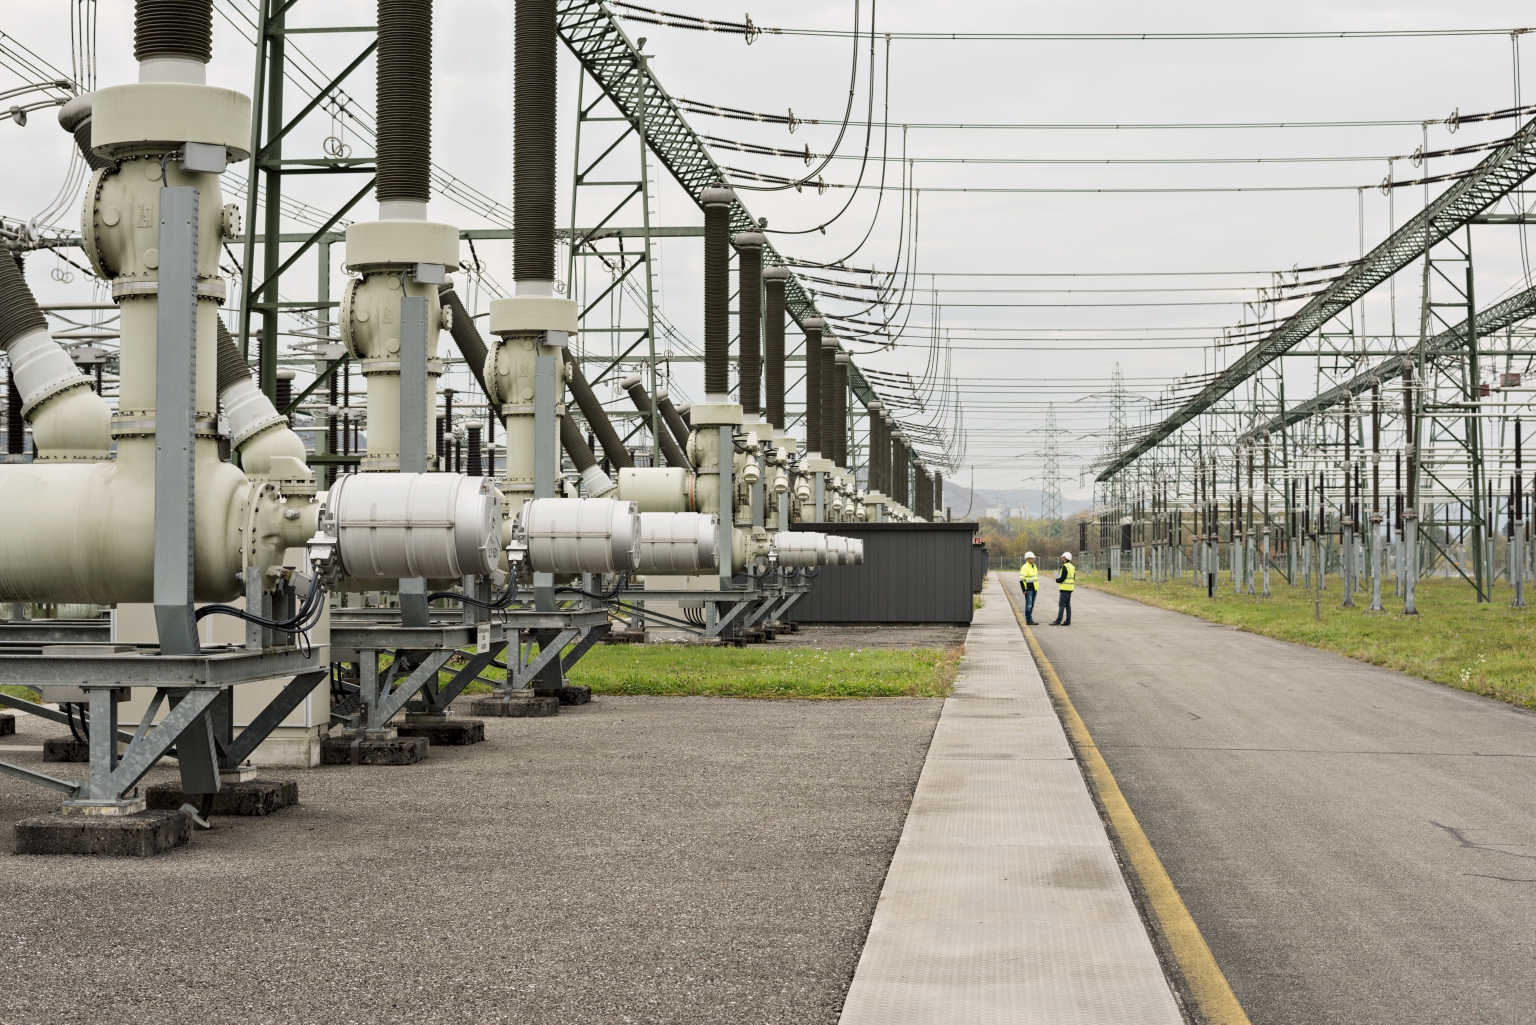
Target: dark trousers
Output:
[(1064, 607), (1030, 594)]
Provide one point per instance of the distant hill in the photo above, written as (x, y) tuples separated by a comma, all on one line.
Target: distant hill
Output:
[(958, 498)]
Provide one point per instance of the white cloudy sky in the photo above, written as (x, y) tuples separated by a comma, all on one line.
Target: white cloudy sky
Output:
[(1019, 342)]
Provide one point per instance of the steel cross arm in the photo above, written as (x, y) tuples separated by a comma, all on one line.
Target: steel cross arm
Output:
[(605, 51), (1499, 173), (737, 608), (149, 748), (393, 698), (592, 636), (441, 697), (40, 778), (316, 236), (44, 712), (321, 378), (261, 727), (1513, 310), (320, 97), (547, 653)]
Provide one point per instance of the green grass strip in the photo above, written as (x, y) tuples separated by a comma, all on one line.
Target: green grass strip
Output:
[(761, 672), (1482, 648)]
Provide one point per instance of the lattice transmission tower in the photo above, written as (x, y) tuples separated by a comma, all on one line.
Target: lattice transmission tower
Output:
[(1050, 484)]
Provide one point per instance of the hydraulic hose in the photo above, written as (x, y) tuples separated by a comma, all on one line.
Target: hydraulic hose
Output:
[(618, 588), (75, 118), (669, 447), (873, 458), (19, 312), (232, 368), (749, 249), (533, 141), (840, 409), (575, 445), (404, 76), (829, 428), (813, 389), (173, 28), (717, 292), (302, 622), (466, 336), (673, 419), (495, 605), (613, 448), (774, 280)]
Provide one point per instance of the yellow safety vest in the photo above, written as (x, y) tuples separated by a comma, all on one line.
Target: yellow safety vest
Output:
[(1067, 584), (1029, 575)]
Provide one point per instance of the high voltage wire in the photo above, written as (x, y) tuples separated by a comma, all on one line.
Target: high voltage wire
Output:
[(740, 173), (746, 28)]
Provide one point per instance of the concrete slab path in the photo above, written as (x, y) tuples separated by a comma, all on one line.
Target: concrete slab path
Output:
[(1004, 902), (1356, 845)]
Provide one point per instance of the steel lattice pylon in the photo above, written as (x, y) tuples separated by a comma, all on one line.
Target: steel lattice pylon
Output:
[(1496, 176)]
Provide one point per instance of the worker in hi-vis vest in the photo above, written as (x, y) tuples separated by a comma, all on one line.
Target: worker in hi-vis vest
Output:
[(1065, 582), (1029, 583)]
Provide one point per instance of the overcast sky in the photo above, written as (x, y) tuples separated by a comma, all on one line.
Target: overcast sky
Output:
[(1019, 342)]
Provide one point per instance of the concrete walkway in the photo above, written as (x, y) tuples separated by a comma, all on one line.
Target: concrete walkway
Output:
[(1004, 902), (1357, 846)]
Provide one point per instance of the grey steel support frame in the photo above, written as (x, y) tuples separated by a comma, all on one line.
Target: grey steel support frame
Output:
[(381, 693), (605, 51), (413, 431), (196, 692), (268, 167), (1496, 176), (175, 412), (548, 386), (551, 633), (724, 546)]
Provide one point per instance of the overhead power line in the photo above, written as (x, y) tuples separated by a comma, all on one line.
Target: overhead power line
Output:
[(1455, 119), (672, 19)]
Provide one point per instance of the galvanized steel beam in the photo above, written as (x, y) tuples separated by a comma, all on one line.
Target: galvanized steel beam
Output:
[(1499, 173)]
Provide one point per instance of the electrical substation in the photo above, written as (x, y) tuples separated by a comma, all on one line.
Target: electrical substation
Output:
[(498, 522)]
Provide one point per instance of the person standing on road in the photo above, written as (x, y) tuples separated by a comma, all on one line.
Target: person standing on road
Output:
[(1065, 582), (1029, 583)]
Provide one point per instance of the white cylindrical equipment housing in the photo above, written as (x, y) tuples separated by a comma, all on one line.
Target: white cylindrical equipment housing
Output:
[(435, 525), (679, 542), (855, 551), (580, 535), (800, 549)]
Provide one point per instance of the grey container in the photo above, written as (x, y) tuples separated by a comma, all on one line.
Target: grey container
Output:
[(980, 561), (912, 573)]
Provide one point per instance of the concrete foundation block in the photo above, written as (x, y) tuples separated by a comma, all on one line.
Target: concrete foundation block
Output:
[(516, 707), (567, 695), (288, 752), (119, 836), (449, 732), (624, 637), (65, 749), (7, 725), (575, 695), (337, 750), (252, 797)]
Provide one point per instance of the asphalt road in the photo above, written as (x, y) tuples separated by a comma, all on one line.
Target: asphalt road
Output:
[(1356, 845), (633, 860)]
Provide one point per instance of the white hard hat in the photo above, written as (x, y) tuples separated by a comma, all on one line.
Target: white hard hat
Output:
[(1029, 555), (1067, 556)]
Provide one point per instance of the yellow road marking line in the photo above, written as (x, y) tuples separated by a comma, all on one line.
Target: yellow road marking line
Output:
[(1206, 981)]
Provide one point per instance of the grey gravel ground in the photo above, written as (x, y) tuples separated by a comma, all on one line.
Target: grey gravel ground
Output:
[(633, 860)]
